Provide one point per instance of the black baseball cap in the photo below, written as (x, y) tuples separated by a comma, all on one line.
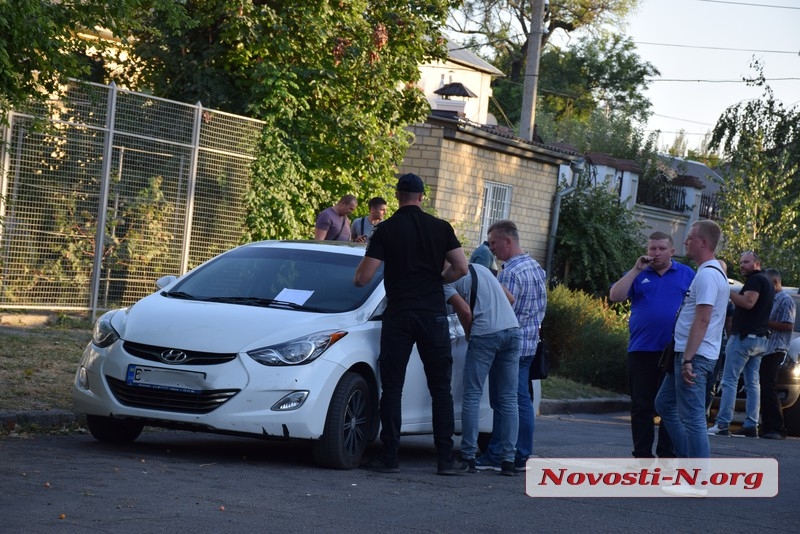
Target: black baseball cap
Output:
[(410, 183)]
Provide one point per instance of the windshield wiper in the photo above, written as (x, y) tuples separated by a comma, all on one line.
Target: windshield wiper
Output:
[(257, 301), (178, 295)]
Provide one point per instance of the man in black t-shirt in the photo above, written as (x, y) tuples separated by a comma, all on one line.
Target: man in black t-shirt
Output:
[(745, 347), (413, 246)]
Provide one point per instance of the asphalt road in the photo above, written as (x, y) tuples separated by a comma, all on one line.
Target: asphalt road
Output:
[(169, 481)]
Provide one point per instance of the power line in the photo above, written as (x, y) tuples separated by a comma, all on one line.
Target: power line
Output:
[(719, 48), (683, 120), (676, 133), (718, 81), (747, 4)]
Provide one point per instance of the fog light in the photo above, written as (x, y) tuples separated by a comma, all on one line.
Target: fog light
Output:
[(83, 378), (292, 401)]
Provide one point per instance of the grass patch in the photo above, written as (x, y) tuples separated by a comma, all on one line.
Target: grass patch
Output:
[(560, 388), (38, 364)]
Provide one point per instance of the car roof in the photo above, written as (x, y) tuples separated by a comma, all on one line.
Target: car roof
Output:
[(340, 247)]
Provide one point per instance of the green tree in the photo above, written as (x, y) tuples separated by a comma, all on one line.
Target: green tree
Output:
[(500, 32), (615, 135), (334, 80), (679, 144), (597, 238), (598, 72), (503, 28), (44, 43), (760, 197), (704, 154)]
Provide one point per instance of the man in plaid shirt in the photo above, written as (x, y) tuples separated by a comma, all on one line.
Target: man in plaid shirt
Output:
[(781, 324), (527, 282)]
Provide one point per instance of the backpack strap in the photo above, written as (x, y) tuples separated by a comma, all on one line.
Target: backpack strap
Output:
[(473, 292), (716, 269)]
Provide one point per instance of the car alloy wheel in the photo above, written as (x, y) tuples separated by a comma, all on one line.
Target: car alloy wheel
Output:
[(350, 416)]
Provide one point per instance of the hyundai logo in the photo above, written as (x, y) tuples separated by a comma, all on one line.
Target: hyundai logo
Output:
[(173, 356)]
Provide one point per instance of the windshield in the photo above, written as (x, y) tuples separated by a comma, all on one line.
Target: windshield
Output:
[(306, 280)]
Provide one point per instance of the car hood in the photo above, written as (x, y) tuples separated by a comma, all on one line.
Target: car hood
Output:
[(220, 327)]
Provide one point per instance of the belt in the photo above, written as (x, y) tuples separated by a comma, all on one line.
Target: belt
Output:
[(753, 336)]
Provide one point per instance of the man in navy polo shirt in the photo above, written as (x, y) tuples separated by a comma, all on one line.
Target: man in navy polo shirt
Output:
[(655, 286)]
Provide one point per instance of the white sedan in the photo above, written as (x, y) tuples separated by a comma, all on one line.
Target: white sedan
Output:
[(270, 340)]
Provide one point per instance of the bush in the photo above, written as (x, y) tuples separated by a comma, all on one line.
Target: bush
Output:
[(588, 339)]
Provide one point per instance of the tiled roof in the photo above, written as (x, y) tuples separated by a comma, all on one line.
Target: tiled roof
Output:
[(458, 54), (598, 158)]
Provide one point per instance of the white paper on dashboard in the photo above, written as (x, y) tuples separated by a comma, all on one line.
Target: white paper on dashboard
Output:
[(295, 296)]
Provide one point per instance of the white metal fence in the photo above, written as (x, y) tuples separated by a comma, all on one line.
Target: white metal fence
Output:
[(106, 190)]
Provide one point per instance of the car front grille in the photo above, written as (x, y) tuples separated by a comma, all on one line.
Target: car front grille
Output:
[(193, 357), (169, 401)]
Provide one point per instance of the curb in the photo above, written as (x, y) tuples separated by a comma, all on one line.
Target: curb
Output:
[(571, 406), (10, 420)]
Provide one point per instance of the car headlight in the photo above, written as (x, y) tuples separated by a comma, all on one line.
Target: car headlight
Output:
[(104, 334), (796, 371), (298, 351)]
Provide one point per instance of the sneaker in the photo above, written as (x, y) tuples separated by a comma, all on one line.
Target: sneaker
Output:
[(520, 465), (684, 491), (379, 464), (507, 469), (484, 463), (454, 467), (471, 463), (745, 432), (773, 435), (717, 431)]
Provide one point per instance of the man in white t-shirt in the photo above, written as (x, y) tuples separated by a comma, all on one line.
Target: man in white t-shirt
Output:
[(681, 400)]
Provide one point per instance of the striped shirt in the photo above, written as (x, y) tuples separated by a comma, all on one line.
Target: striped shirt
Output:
[(526, 280)]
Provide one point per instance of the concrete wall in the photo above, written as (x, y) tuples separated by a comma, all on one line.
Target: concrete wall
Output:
[(669, 222), (455, 160)]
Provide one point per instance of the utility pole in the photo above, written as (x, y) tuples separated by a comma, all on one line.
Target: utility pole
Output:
[(528, 117)]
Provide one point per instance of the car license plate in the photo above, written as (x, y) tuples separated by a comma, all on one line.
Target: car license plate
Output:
[(167, 379)]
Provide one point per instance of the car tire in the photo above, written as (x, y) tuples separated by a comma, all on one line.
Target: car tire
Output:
[(351, 416), (110, 430), (791, 419)]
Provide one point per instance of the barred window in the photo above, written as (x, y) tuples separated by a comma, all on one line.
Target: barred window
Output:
[(496, 205)]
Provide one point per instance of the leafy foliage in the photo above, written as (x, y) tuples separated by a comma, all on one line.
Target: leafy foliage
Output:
[(598, 72), (334, 80), (44, 43), (573, 80), (597, 238), (588, 339), (760, 198), (504, 27), (616, 135)]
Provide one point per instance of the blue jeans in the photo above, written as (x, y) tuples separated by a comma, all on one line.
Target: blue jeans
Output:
[(495, 355), (741, 355), (526, 417), (682, 407)]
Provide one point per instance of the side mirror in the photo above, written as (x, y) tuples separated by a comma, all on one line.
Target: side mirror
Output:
[(164, 281)]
